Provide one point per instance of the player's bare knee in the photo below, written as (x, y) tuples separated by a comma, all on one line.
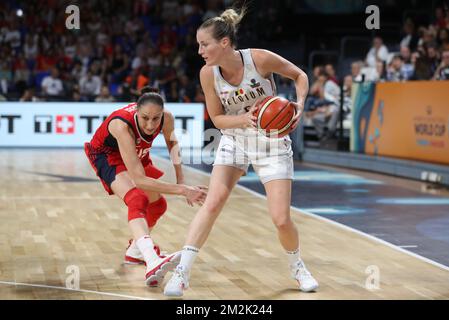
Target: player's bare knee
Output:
[(283, 224), (214, 205)]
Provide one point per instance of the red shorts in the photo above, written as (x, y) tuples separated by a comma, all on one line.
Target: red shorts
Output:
[(107, 170)]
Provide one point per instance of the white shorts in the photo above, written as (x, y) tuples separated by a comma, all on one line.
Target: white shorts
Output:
[(272, 159)]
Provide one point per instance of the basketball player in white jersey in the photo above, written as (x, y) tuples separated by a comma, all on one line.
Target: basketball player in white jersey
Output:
[(232, 81)]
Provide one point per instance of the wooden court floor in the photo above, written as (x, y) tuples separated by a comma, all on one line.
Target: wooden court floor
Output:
[(56, 221)]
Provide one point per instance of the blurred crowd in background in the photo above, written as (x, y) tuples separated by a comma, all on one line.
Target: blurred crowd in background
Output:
[(421, 54), (121, 47), (125, 45)]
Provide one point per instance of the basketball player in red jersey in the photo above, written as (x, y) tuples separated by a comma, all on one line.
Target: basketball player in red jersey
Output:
[(119, 154), (233, 81)]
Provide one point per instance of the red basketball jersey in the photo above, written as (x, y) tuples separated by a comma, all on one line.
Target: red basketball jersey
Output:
[(104, 142)]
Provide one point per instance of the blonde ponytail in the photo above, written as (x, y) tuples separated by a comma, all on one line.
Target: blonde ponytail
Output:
[(231, 16), (226, 25)]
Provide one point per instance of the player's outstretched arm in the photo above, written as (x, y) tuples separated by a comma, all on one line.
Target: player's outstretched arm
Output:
[(127, 147)]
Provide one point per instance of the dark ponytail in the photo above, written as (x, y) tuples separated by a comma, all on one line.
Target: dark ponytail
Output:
[(150, 95)]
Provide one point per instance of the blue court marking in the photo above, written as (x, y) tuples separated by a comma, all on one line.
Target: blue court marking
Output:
[(357, 190), (334, 210), (414, 201), (436, 229), (322, 176)]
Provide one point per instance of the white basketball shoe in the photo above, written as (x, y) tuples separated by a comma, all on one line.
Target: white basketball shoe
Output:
[(158, 268), (134, 256), (305, 280), (178, 283)]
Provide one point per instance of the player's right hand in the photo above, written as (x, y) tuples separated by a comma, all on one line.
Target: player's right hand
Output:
[(249, 119), (195, 194)]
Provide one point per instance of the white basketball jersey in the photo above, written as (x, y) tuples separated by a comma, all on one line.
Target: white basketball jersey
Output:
[(238, 99)]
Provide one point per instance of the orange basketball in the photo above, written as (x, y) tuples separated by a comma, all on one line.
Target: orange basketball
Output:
[(275, 116)]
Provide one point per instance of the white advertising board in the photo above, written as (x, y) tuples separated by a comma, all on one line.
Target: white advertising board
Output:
[(68, 124)]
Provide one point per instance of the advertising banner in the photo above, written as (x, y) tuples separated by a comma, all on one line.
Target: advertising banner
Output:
[(67, 124), (405, 120)]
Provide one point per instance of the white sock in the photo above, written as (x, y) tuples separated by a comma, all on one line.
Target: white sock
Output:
[(133, 249), (146, 246), (189, 254), (293, 257), (133, 245)]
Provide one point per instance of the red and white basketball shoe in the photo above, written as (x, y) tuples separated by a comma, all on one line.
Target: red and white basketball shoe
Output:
[(134, 256), (158, 268)]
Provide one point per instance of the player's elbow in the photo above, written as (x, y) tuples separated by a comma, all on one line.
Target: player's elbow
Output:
[(302, 76)]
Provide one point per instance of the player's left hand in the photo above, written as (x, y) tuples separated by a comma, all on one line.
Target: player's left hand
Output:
[(181, 181), (298, 114)]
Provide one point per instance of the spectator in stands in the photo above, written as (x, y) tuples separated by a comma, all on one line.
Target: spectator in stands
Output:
[(316, 92), (378, 52), (70, 46), (439, 20), (90, 85), (446, 9), (141, 7), (167, 40), (285, 88), (325, 117), (46, 59), (212, 10), (323, 110), (77, 71), (407, 67), (317, 70), (140, 58), (422, 67), (12, 36), (394, 72), (347, 98), (137, 80), (356, 71), (410, 39), (427, 36), (443, 39), (21, 73), (331, 74), (76, 97), (118, 64), (28, 96), (378, 73), (381, 71), (172, 95), (5, 76), (186, 89), (30, 48), (433, 57), (164, 74), (52, 85), (105, 95), (442, 72), (153, 57), (199, 96), (331, 90)]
